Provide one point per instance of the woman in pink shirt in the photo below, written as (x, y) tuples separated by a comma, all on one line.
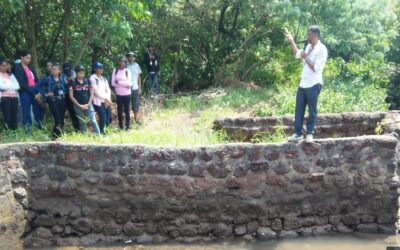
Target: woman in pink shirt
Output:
[(28, 92), (102, 95), (121, 81), (9, 96)]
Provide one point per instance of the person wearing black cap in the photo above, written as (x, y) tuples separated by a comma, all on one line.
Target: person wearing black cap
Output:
[(152, 62), (102, 95), (136, 83), (68, 76), (52, 88), (81, 94)]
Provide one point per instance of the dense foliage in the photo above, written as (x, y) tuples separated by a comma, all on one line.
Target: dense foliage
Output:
[(204, 42)]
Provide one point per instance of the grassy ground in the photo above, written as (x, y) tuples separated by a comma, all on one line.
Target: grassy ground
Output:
[(187, 120), (183, 120)]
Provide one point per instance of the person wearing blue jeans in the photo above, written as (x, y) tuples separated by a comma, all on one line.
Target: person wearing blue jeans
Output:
[(30, 103), (29, 94), (102, 95), (153, 84), (89, 113), (81, 94), (104, 116), (152, 62), (314, 55), (304, 97)]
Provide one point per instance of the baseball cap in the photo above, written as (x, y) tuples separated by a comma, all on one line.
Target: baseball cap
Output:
[(131, 53), (79, 68), (97, 65)]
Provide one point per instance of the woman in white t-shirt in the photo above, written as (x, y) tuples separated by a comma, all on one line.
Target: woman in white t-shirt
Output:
[(9, 96), (102, 96)]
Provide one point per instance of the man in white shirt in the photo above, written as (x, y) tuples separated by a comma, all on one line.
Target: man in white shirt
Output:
[(314, 55), (136, 83)]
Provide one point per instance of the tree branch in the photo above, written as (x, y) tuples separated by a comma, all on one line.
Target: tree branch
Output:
[(255, 65), (84, 45)]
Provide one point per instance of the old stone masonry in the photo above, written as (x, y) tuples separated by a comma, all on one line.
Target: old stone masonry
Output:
[(66, 194)]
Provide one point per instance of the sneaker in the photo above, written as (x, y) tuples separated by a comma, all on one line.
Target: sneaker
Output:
[(309, 138), (295, 137)]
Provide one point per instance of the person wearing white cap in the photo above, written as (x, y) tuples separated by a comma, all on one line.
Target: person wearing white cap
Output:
[(136, 83)]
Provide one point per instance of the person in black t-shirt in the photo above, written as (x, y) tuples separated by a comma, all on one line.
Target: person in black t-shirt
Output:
[(152, 62), (68, 76), (81, 94)]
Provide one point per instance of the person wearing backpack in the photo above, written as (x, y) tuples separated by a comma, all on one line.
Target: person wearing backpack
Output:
[(53, 90), (9, 87), (81, 94), (121, 80), (102, 95)]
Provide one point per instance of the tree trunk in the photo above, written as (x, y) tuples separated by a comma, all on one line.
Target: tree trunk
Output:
[(84, 45), (175, 74), (29, 14), (55, 37), (67, 10), (251, 68)]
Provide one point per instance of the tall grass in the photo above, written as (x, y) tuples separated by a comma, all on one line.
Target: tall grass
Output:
[(334, 98), (187, 120)]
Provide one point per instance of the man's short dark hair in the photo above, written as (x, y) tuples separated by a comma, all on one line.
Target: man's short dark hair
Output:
[(315, 30)]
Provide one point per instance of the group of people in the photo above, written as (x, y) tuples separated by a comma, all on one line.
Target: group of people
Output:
[(68, 89)]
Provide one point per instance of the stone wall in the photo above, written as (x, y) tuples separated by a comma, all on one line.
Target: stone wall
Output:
[(328, 126), (12, 213), (90, 194)]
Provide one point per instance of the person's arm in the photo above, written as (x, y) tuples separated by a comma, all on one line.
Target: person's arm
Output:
[(139, 81), (107, 100), (96, 89), (23, 84), (298, 53), (158, 64), (293, 44), (90, 99), (41, 86), (113, 83), (3, 85), (108, 91), (320, 61), (15, 84)]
